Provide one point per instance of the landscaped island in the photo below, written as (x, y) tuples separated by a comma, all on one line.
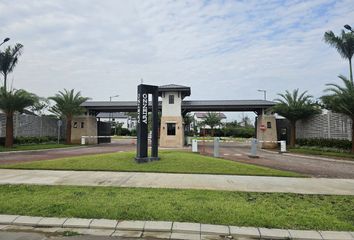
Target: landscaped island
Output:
[(171, 162)]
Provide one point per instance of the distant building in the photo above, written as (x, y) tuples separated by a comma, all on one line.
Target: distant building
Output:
[(199, 117), (127, 121)]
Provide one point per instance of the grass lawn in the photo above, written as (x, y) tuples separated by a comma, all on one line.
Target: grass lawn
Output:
[(273, 210), (35, 147), (171, 162), (319, 152)]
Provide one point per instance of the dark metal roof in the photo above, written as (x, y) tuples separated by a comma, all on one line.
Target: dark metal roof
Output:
[(112, 115), (187, 106), (185, 91)]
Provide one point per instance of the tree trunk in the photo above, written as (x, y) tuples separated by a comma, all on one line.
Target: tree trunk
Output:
[(351, 70), (352, 134), (9, 139), (292, 133), (212, 132), (5, 81), (68, 129)]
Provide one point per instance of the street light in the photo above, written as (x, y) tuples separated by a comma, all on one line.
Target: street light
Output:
[(5, 40), (348, 27), (110, 100), (264, 93)]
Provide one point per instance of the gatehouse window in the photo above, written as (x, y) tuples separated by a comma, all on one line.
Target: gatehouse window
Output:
[(171, 129), (171, 99), (269, 125), (82, 124), (75, 125)]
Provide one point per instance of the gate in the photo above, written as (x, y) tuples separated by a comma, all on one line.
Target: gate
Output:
[(103, 129)]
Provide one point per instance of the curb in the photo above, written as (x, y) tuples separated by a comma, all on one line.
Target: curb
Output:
[(158, 229)]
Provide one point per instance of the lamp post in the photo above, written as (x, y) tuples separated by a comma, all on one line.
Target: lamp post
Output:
[(5, 40), (348, 27), (110, 100), (264, 93)]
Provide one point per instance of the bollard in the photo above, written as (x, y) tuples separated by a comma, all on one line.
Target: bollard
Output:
[(253, 153), (194, 145), (216, 146), (282, 146), (82, 140)]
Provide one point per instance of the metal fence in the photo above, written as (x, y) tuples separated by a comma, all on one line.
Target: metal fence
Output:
[(327, 125)]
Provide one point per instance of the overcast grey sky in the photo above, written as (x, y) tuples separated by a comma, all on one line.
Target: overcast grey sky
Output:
[(221, 49)]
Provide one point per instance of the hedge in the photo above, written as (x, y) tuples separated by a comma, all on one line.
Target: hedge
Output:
[(31, 140), (325, 143)]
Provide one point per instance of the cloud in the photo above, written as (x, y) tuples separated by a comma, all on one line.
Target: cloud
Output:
[(222, 49)]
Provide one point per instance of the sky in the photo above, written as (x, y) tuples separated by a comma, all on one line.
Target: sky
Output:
[(221, 49)]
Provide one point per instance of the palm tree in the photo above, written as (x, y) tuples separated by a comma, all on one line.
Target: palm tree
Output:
[(212, 119), (294, 106), (14, 101), (187, 120), (344, 45), (8, 60), (67, 105), (341, 100)]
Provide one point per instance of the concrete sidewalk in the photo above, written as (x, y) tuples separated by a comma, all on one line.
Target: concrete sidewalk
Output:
[(180, 181), (160, 229)]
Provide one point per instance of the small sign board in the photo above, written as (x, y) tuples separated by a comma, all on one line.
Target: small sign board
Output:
[(262, 127)]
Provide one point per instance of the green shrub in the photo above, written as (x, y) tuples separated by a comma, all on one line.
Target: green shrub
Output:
[(133, 132), (34, 140), (242, 132), (325, 143)]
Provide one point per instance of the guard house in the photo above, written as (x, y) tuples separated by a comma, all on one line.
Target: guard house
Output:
[(173, 106), (171, 129)]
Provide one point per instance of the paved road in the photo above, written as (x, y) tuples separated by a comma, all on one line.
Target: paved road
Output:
[(312, 166), (180, 181), (16, 157)]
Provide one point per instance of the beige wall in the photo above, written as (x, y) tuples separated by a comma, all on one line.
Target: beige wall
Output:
[(89, 129), (176, 141), (171, 109), (270, 134)]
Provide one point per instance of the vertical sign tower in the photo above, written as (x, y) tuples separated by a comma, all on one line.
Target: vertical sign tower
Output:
[(142, 126)]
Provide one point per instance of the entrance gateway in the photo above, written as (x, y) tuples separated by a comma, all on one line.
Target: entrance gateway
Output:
[(173, 107)]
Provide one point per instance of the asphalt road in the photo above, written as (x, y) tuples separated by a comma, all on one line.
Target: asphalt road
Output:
[(309, 165)]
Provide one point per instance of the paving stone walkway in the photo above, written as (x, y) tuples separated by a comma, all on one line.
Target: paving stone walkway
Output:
[(159, 229), (180, 181)]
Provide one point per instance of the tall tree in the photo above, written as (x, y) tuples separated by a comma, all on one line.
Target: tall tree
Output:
[(341, 100), (67, 105), (8, 60), (295, 106), (212, 119), (344, 45), (11, 102)]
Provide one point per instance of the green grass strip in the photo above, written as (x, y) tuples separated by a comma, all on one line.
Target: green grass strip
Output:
[(272, 210), (171, 162)]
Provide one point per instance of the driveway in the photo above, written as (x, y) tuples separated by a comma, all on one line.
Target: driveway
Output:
[(309, 165)]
